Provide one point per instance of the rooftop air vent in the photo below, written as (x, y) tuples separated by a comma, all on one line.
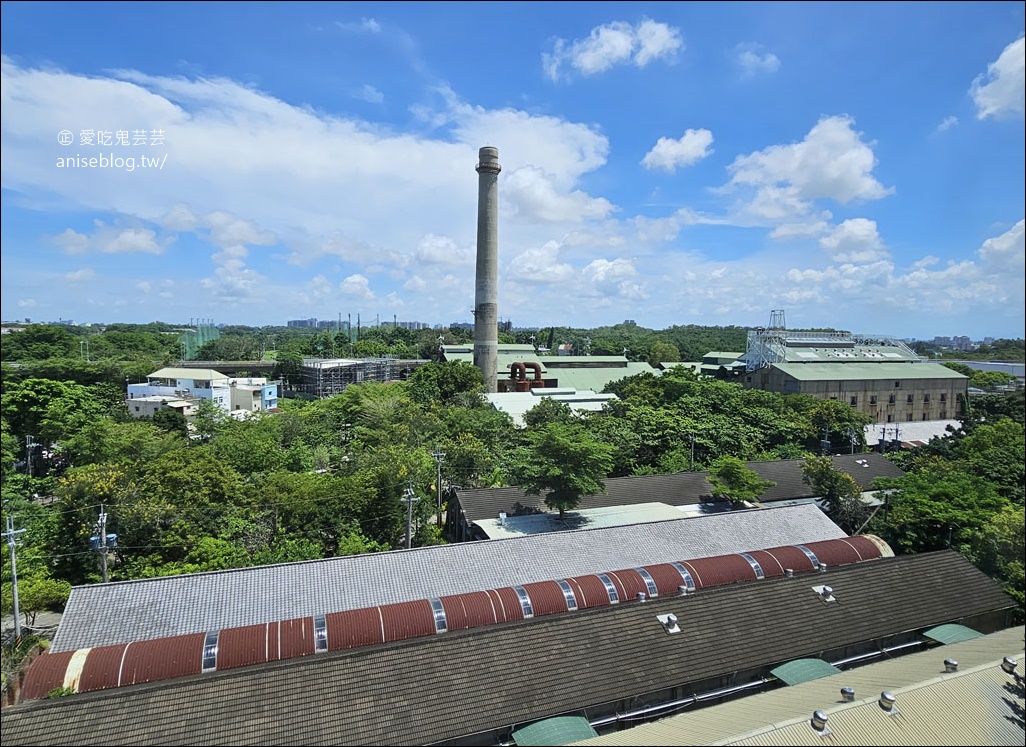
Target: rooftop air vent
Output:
[(819, 722), (887, 701), (502, 518), (822, 567), (642, 596), (1008, 665), (826, 593), (789, 572), (847, 694), (669, 623), (682, 590), (950, 665)]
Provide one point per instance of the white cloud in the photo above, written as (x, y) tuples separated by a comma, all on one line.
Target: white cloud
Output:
[(668, 154), (356, 287), (1005, 253), (541, 265), (367, 25), (831, 162), (112, 240), (612, 44), (26, 303), (856, 241), (143, 286), (532, 194), (80, 276), (753, 59), (442, 250), (1002, 89), (602, 271), (947, 124), (368, 93)]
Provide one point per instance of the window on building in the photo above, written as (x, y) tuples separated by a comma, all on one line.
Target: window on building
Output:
[(854, 401), (890, 400), (926, 416), (897, 384), (909, 399), (943, 414), (944, 397), (908, 417), (926, 398), (890, 418), (872, 399)]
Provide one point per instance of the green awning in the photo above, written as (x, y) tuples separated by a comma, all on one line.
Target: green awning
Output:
[(802, 670), (951, 633), (554, 731)]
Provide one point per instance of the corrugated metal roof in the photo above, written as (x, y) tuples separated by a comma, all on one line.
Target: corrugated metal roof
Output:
[(869, 371), (848, 353), (587, 518), (444, 687), (176, 605), (517, 404), (969, 709)]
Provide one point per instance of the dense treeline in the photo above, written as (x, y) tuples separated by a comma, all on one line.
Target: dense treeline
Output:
[(329, 477)]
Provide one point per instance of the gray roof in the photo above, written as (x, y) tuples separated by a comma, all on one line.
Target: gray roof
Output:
[(196, 374), (175, 605), (858, 371), (472, 682), (677, 489), (517, 404)]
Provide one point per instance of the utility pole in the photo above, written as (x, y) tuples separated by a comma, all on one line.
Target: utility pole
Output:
[(692, 468), (439, 456), (102, 532), (409, 500), (29, 445), (11, 534)]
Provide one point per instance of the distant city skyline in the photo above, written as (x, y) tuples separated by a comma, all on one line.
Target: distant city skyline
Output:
[(860, 165)]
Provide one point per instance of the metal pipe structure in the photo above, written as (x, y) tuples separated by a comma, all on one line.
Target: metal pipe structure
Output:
[(486, 298)]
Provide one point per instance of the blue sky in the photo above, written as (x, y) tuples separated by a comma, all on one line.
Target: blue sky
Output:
[(858, 165)]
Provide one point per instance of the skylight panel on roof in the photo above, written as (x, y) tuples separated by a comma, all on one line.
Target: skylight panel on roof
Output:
[(210, 651), (568, 594), (810, 555), (614, 595), (525, 601), (806, 354), (650, 584), (755, 565), (685, 574), (439, 614)]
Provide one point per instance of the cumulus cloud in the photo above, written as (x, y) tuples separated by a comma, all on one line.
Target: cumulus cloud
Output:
[(1005, 253), (855, 241), (1002, 89), (356, 287), (612, 44), (667, 154), (532, 194), (832, 162), (112, 240), (753, 59), (541, 265), (441, 250)]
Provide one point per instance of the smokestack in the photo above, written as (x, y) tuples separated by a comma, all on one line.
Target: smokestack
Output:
[(486, 297)]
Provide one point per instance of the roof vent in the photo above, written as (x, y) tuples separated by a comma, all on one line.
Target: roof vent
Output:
[(819, 722), (682, 590), (950, 665), (822, 567), (826, 593), (789, 572), (642, 596), (502, 518), (887, 701), (669, 623), (847, 694), (1008, 665)]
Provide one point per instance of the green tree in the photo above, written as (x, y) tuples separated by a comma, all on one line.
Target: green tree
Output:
[(565, 463), (996, 548), (838, 489), (662, 352), (733, 481)]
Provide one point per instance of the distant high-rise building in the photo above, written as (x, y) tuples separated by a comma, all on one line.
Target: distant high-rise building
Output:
[(302, 323)]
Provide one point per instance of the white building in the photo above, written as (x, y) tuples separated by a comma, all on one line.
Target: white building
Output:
[(184, 388)]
